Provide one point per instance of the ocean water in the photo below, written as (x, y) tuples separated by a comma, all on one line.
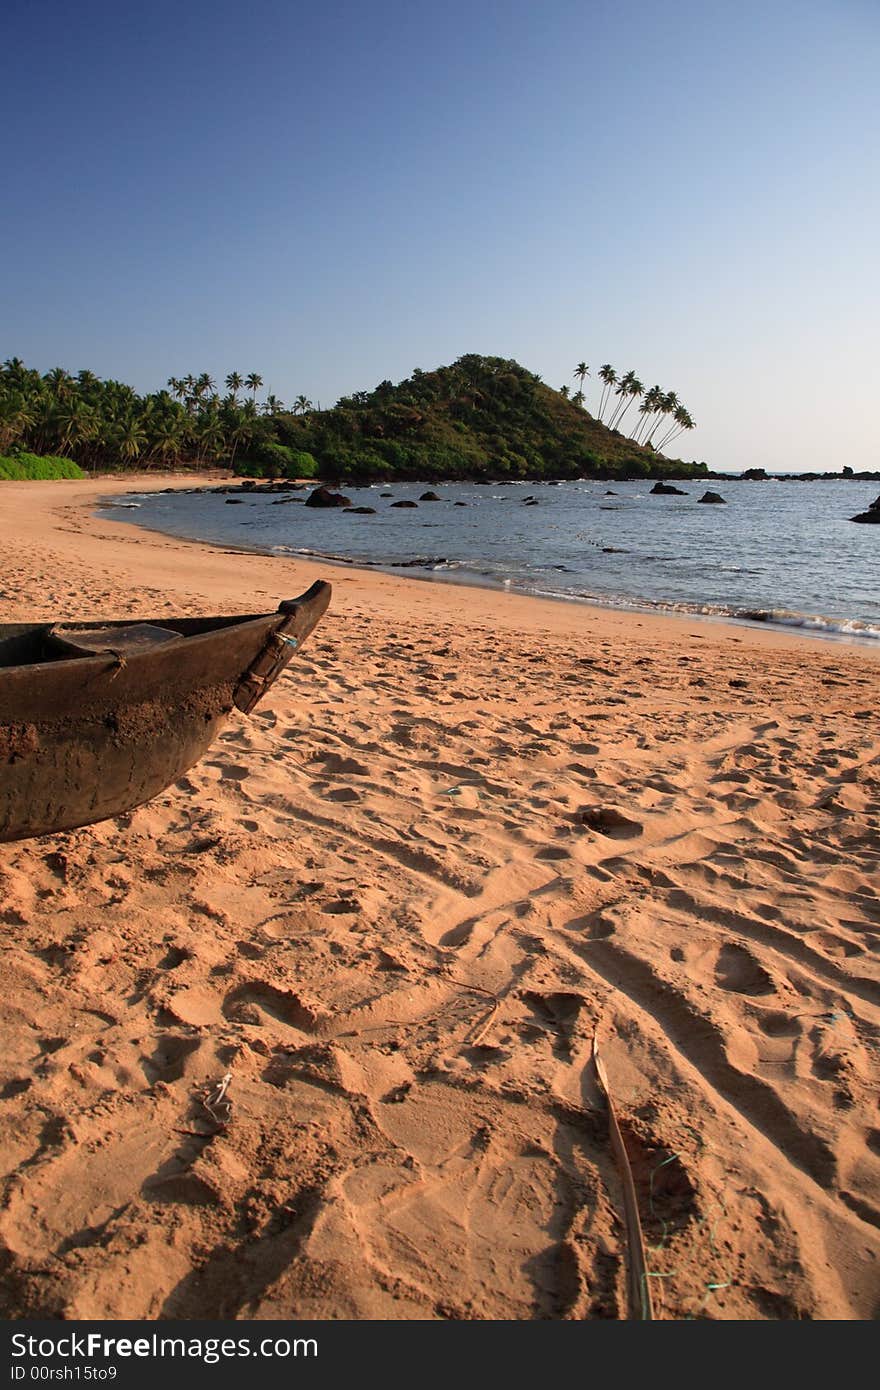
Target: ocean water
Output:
[(779, 552)]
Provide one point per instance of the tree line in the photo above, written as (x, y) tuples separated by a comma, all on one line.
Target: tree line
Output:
[(102, 423)]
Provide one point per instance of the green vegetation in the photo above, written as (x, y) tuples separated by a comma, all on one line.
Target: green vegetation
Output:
[(481, 417), (23, 467)]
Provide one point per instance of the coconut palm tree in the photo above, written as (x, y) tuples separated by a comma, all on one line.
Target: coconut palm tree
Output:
[(234, 383), (15, 371), (667, 406), (302, 405), (581, 372), (242, 427), (168, 437), (253, 382), (204, 386), (609, 377), (210, 439), (682, 421), (272, 405), (74, 422), (563, 391), (650, 404), (622, 392), (130, 438), (60, 383), (16, 417), (578, 398), (634, 390)]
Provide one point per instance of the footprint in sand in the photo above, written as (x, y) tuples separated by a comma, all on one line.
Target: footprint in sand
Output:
[(337, 764), (779, 1025), (248, 1003), (595, 926), (231, 772), (608, 821), (737, 970), (557, 1011), (168, 1061)]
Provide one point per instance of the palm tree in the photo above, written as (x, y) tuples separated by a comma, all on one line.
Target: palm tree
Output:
[(622, 391), (130, 438), (609, 377), (563, 391), (16, 417), (650, 404), (302, 405), (210, 440), (234, 383), (74, 422), (581, 371), (667, 406), (253, 382), (682, 421), (578, 398), (272, 405), (244, 427), (635, 390), (14, 370), (168, 437), (60, 383)]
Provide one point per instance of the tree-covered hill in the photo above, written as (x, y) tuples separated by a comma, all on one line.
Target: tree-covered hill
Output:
[(481, 417)]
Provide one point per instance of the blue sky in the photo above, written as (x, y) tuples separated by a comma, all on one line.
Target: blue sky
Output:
[(334, 195)]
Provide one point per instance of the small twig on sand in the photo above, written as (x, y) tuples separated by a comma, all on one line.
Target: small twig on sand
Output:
[(641, 1305)]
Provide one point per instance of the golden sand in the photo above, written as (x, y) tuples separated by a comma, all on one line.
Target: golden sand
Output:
[(464, 830)]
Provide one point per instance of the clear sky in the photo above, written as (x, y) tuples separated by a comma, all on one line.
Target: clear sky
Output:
[(332, 194)]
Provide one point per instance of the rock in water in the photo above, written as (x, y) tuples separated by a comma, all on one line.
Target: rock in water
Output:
[(712, 497), (323, 497), (404, 504), (871, 516), (429, 497), (668, 490)]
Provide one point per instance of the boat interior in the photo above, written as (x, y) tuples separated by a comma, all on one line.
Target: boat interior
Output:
[(30, 644)]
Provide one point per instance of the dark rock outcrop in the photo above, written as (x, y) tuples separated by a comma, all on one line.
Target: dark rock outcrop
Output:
[(405, 503), (361, 511), (323, 497), (429, 497), (712, 497), (668, 490), (871, 516)]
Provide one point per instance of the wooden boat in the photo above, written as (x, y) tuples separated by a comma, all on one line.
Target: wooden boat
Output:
[(96, 719)]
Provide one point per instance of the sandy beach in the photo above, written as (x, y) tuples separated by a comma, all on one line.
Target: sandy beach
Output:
[(465, 832)]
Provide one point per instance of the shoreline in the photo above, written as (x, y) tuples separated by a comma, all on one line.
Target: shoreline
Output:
[(466, 832), (636, 609)]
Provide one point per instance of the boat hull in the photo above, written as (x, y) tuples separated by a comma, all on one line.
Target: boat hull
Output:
[(83, 740)]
